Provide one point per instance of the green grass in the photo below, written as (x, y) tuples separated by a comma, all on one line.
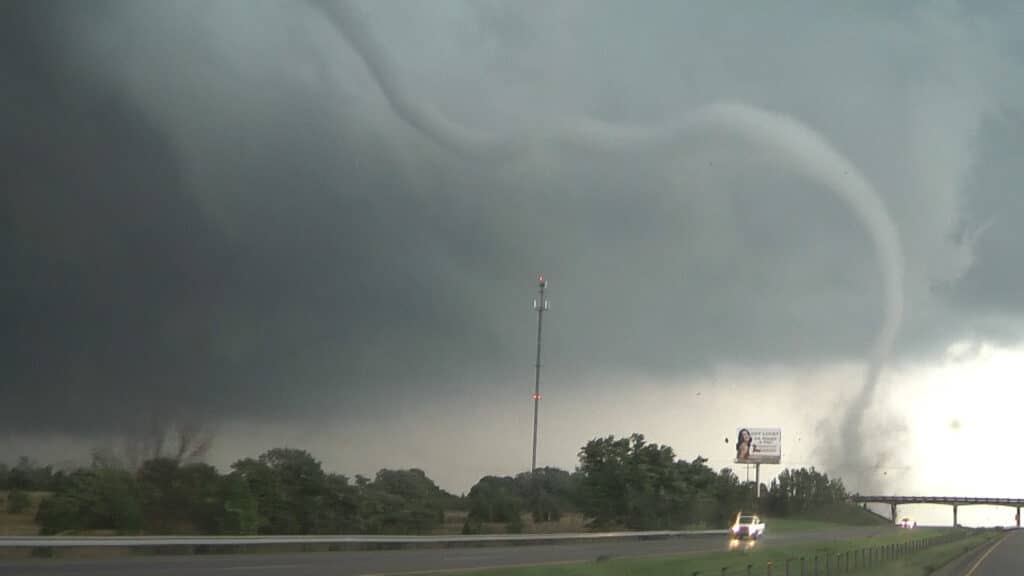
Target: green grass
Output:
[(927, 561), (825, 518), (791, 525), (711, 563), (848, 514)]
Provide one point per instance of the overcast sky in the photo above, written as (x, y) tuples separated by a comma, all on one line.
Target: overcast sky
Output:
[(211, 213)]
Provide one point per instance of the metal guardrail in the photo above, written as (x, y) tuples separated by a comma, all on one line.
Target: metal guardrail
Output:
[(160, 541)]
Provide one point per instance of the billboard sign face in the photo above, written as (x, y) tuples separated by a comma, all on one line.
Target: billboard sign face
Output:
[(758, 445)]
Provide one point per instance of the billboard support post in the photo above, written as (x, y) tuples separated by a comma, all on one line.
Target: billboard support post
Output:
[(757, 480)]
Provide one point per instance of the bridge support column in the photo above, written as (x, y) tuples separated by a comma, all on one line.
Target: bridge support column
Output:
[(955, 524), (1018, 516), (893, 510)]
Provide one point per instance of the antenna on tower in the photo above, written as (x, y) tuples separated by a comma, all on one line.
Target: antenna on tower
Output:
[(540, 305)]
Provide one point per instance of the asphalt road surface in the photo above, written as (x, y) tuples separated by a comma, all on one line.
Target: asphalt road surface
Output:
[(395, 561), (1005, 557)]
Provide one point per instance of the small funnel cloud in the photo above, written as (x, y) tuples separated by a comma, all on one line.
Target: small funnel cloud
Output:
[(785, 140)]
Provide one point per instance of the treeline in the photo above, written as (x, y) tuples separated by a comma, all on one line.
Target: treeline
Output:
[(26, 475), (805, 493), (618, 483), (283, 491)]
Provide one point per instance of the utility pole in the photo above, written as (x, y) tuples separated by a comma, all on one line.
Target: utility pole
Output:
[(541, 306)]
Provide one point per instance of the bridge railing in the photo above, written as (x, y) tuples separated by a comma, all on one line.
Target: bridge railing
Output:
[(959, 500)]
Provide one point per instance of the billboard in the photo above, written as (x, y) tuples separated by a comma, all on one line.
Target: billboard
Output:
[(758, 445)]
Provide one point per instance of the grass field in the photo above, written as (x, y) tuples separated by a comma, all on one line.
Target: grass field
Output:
[(927, 561), (735, 562), (824, 519), (791, 525), (845, 514)]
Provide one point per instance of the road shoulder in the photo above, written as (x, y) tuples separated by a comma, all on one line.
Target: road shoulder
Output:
[(968, 561)]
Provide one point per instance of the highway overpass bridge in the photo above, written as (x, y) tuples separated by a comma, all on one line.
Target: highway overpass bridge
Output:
[(955, 502)]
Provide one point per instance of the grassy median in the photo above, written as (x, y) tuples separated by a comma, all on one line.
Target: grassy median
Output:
[(736, 561), (928, 561), (795, 525)]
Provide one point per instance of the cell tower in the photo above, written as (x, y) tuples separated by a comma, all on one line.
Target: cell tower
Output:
[(541, 305)]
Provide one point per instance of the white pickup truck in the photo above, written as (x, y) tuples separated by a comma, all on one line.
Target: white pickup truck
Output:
[(747, 527)]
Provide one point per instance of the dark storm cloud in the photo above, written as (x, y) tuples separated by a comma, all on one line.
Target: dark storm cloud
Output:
[(125, 300), (214, 213), (101, 249), (996, 199)]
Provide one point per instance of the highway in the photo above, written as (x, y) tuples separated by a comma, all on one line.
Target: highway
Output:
[(360, 563), (1006, 556)]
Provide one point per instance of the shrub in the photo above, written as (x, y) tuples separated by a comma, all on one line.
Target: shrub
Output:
[(18, 501)]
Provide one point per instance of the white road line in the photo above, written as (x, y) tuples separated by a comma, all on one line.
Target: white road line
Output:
[(985, 555)]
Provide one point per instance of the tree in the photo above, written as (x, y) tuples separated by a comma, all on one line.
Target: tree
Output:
[(400, 501), (632, 483), (201, 493), (27, 475), (547, 493), (94, 499), (495, 499), (60, 513), (164, 508), (340, 509), (179, 499), (116, 502), (627, 482), (412, 484), (805, 491), (300, 481), (289, 486), (240, 514), (263, 484), (604, 488), (17, 502)]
